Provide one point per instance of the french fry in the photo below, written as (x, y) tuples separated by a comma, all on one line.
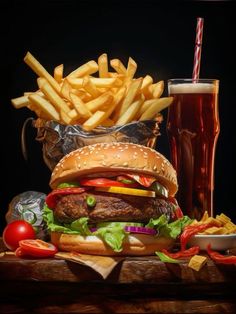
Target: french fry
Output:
[(54, 98), (223, 218), (130, 113), (156, 107), (80, 106), (76, 83), (90, 87), (37, 92), (85, 69), (131, 68), (212, 230), (20, 102), (103, 66), (41, 114), (145, 105), (58, 73), (205, 216), (99, 102), (45, 106), (221, 225), (96, 81), (117, 75), (40, 70), (41, 81), (119, 95), (95, 120), (82, 94), (66, 88), (147, 81), (118, 66), (65, 118), (158, 89), (132, 92), (73, 115)]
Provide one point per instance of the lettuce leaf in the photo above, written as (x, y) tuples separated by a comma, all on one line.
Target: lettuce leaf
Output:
[(166, 229), (112, 236)]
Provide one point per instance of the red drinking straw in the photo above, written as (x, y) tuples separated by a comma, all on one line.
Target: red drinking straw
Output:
[(198, 49)]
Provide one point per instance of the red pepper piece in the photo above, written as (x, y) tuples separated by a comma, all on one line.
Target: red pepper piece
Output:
[(52, 198), (220, 258), (182, 254)]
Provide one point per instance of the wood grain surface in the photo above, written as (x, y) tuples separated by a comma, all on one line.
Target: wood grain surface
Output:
[(136, 285)]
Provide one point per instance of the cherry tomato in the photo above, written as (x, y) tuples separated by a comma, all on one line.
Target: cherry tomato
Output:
[(36, 248), (16, 231)]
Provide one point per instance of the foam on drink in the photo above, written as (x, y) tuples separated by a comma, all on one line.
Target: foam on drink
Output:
[(193, 88)]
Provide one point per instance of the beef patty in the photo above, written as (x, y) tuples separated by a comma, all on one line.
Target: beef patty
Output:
[(111, 207)]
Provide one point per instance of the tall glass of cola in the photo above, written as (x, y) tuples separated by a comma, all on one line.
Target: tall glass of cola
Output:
[(193, 128)]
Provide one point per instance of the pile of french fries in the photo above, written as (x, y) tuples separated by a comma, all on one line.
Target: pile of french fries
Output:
[(92, 95), (223, 224)]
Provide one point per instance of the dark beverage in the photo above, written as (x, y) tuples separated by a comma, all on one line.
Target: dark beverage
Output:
[(193, 128)]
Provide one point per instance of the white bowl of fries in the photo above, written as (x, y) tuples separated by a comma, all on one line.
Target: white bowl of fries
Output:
[(221, 233), (218, 242)]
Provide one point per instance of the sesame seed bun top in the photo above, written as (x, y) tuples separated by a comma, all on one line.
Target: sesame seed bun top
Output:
[(109, 158)]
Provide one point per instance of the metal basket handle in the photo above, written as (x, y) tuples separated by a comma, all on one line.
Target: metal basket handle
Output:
[(23, 138)]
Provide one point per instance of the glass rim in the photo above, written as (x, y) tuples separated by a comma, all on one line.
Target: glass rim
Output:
[(191, 80)]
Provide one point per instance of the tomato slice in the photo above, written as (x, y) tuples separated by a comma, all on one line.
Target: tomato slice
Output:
[(37, 248), (19, 252), (104, 182), (52, 198)]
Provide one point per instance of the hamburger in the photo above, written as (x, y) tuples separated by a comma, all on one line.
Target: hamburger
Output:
[(113, 199)]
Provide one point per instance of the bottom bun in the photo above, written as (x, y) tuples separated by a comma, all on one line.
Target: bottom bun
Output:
[(133, 244)]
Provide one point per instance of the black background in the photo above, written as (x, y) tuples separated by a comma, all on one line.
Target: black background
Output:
[(158, 35)]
